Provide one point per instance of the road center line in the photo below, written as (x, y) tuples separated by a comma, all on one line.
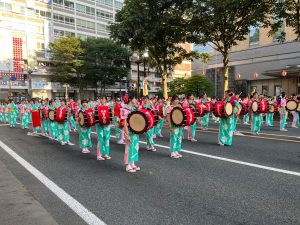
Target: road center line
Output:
[(228, 160), (72, 203)]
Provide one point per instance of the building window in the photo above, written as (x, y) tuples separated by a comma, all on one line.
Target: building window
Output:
[(254, 35), (69, 4), (86, 24), (105, 15), (277, 90), (5, 6), (265, 90), (118, 5), (58, 2), (58, 33), (105, 2), (85, 9), (63, 19)]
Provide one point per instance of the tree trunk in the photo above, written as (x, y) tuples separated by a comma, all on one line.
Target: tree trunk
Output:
[(226, 69)]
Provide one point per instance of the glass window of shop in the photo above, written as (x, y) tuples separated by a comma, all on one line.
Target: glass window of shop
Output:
[(277, 90), (265, 90)]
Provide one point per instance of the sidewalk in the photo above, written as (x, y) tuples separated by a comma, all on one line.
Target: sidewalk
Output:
[(17, 205)]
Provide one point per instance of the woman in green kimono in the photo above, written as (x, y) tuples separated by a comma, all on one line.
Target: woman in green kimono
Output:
[(205, 118), (53, 132), (131, 155), (176, 132), (45, 121), (63, 128), (161, 120), (150, 133), (12, 108), (191, 129), (256, 118), (85, 141), (116, 120), (1, 112), (269, 115), (24, 115), (227, 125), (103, 134)]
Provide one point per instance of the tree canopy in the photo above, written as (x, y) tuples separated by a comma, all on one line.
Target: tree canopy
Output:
[(158, 27), (196, 85), (225, 22)]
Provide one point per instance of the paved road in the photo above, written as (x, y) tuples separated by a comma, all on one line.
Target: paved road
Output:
[(256, 181)]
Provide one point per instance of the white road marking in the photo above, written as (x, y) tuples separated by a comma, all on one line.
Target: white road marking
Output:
[(229, 160), (2, 125), (72, 203)]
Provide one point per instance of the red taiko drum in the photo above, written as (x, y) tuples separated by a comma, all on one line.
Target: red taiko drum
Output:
[(200, 109), (61, 115), (245, 109), (223, 110), (103, 115), (182, 116), (86, 118), (260, 106), (36, 118), (209, 107), (140, 121), (51, 115)]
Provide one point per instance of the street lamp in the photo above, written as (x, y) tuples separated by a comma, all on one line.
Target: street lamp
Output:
[(66, 86)]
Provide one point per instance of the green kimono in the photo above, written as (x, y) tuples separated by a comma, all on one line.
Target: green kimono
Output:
[(227, 127), (53, 130), (176, 136), (12, 114), (131, 147), (246, 118), (103, 133), (149, 133), (63, 131), (256, 123), (84, 136), (45, 123), (205, 118)]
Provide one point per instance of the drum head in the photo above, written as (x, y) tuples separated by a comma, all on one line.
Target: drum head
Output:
[(51, 115), (137, 122), (177, 116), (271, 109), (254, 107), (298, 109), (228, 109), (81, 118), (291, 105)]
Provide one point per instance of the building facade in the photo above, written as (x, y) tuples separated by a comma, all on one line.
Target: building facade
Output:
[(261, 63)]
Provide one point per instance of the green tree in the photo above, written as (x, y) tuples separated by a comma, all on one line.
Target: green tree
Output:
[(105, 62), (224, 22), (285, 13), (158, 27), (198, 85), (177, 86), (66, 61)]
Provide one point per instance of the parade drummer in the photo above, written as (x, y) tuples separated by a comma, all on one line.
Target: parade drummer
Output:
[(150, 133), (226, 128), (85, 141), (205, 118), (12, 109), (116, 120), (176, 132), (192, 129), (103, 134), (53, 131), (270, 115), (24, 112), (63, 128), (45, 121), (256, 117), (71, 119), (295, 123), (246, 118), (33, 107), (161, 117), (131, 155), (283, 112)]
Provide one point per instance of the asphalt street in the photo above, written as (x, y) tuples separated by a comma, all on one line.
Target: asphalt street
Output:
[(255, 181)]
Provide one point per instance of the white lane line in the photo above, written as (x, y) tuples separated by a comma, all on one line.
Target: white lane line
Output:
[(229, 160), (72, 203), (2, 125)]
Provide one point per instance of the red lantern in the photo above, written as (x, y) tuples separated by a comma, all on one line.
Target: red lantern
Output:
[(255, 75), (238, 76), (283, 73)]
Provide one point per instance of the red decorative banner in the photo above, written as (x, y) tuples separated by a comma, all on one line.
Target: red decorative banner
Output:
[(18, 59)]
